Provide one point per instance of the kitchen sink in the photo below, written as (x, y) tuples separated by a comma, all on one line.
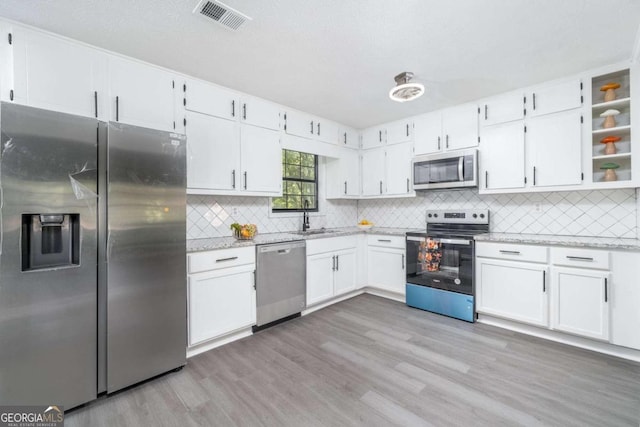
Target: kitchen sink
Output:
[(313, 232)]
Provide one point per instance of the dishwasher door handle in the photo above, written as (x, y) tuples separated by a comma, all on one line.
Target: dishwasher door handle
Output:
[(283, 251)]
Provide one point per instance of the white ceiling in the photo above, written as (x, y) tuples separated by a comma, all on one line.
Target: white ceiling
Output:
[(337, 58)]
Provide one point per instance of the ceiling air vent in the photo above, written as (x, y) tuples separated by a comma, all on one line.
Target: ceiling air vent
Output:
[(221, 13)]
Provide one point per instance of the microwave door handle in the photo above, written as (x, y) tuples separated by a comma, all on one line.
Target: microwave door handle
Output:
[(461, 168)]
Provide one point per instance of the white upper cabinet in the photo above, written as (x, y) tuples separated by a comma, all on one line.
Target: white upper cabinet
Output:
[(400, 131), (258, 112), (554, 144), (502, 162), (428, 133), (326, 131), (502, 108), (261, 160), (556, 97), (343, 175), (373, 173), (141, 94), (299, 124), (349, 138), (398, 162), (460, 127), (373, 137), (213, 152), (206, 98), (57, 74)]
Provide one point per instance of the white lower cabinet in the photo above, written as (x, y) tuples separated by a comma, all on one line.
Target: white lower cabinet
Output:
[(624, 299), (580, 302), (386, 263), (332, 266), (513, 290), (221, 297)]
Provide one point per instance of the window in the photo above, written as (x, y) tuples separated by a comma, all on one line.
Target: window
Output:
[(299, 182)]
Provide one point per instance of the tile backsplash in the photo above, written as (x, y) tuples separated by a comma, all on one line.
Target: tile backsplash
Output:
[(605, 213)]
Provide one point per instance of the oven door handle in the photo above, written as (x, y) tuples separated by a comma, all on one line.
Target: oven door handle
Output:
[(456, 241), (416, 239), (461, 169)]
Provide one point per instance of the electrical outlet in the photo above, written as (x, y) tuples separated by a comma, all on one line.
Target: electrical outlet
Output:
[(538, 207), (234, 211)]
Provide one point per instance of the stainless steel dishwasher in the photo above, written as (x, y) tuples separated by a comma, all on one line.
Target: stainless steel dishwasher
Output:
[(281, 281)]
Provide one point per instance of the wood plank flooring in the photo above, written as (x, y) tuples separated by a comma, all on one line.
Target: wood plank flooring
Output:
[(369, 361)]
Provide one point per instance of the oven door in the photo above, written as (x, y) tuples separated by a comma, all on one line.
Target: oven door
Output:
[(439, 262)]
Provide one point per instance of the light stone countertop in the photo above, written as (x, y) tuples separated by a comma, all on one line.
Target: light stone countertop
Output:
[(573, 241), (199, 245)]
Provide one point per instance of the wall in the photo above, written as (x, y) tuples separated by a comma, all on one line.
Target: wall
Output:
[(605, 213)]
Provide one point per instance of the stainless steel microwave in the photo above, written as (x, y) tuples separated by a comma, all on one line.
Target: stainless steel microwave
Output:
[(446, 170)]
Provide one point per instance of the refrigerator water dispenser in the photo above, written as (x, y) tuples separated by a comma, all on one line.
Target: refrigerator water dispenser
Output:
[(50, 241)]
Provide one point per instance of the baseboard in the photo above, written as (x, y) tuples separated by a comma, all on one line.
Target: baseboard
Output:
[(400, 297), (217, 342), (327, 303), (586, 343)]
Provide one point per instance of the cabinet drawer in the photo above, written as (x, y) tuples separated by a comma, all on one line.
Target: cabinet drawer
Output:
[(386, 241), (331, 244), (223, 258), (512, 251), (584, 258)]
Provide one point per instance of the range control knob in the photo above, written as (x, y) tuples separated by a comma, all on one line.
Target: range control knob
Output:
[(435, 215), (481, 215), (429, 215), (475, 215)]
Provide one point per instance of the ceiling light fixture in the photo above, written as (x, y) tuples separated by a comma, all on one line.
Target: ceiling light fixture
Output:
[(405, 90)]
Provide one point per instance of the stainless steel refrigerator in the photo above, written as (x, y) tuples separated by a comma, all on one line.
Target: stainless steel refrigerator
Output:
[(92, 256)]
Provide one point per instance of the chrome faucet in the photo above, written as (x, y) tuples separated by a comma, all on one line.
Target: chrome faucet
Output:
[(305, 215)]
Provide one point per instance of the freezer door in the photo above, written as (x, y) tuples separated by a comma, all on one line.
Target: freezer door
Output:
[(146, 254), (47, 291)]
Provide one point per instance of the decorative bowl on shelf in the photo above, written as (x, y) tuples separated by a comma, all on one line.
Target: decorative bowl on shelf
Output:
[(610, 171), (365, 225), (610, 144), (244, 232), (610, 91)]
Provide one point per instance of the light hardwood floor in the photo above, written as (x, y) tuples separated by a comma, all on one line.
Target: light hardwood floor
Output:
[(369, 361)]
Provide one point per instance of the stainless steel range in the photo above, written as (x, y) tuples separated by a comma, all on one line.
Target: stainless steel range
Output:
[(440, 263)]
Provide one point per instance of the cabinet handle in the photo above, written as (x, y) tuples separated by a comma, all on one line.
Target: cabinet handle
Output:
[(337, 262), (245, 180), (509, 252), (486, 110), (333, 263), (117, 108), (534, 175), (407, 129), (384, 240), (447, 144), (233, 179), (486, 179), (544, 281), (407, 185), (380, 187), (95, 102), (403, 261), (311, 130), (345, 137), (345, 187), (233, 108), (606, 290), (438, 143), (227, 259), (534, 102), (579, 258), (318, 126), (244, 111)]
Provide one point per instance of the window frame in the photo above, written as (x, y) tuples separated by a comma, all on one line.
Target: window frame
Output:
[(301, 181)]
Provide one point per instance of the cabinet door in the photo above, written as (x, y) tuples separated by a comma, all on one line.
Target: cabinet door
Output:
[(373, 137), (502, 161), (373, 172), (261, 160), (428, 132), (220, 303), (556, 97), (141, 95), (349, 138), (300, 124), (213, 148), (327, 131), (58, 75), (502, 109), (386, 269), (460, 127), (580, 302), (398, 160), (624, 297), (202, 97), (258, 112), (350, 168), (344, 277), (320, 277), (400, 131), (516, 291), (554, 142)]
